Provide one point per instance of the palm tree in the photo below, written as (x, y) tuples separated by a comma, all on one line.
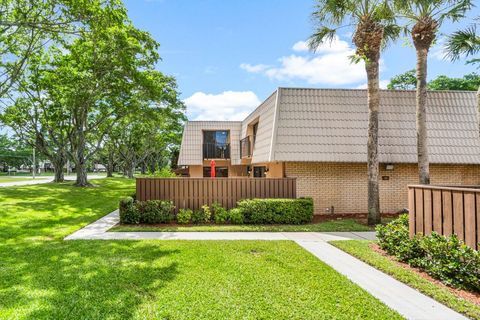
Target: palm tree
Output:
[(424, 18), (466, 43), (374, 26)]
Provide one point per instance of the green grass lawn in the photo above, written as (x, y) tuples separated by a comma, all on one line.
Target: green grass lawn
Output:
[(361, 250), (327, 226), (44, 277)]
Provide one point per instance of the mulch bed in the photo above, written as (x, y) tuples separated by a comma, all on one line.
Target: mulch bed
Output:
[(464, 294)]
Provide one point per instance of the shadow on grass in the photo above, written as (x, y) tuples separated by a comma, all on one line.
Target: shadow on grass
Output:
[(82, 279), (56, 210)]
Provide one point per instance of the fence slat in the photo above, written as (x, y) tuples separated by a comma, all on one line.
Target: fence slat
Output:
[(458, 214), (437, 211), (427, 214), (419, 211), (447, 213), (193, 193), (470, 232)]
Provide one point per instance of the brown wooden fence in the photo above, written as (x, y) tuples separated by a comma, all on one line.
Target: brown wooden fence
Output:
[(193, 193), (446, 210)]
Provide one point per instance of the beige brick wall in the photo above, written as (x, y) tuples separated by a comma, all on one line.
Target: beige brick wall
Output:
[(344, 185)]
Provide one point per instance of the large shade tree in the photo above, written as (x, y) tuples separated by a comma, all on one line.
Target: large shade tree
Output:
[(423, 21), (27, 26), (147, 135), (374, 27), (99, 72), (37, 115)]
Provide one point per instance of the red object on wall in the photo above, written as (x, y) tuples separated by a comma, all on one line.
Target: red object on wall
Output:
[(212, 168)]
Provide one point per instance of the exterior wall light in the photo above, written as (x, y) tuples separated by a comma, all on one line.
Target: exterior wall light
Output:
[(389, 166)]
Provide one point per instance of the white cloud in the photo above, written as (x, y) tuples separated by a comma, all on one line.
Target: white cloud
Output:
[(330, 65), (300, 46), (254, 68), (438, 51), (228, 105)]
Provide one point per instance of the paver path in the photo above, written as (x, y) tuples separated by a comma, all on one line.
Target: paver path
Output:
[(398, 296)]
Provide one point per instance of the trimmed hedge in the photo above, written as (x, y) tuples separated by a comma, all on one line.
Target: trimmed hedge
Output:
[(149, 212), (254, 211), (276, 211), (447, 259)]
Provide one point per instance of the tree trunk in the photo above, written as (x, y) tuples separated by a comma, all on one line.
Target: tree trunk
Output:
[(422, 139), (110, 165), (81, 170), (109, 171), (372, 145), (131, 170), (58, 169), (80, 162), (143, 168)]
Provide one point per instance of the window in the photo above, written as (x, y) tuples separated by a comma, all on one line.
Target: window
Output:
[(216, 137), (259, 172), (216, 144), (220, 172), (255, 129)]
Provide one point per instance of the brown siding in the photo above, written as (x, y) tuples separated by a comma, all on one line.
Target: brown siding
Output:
[(193, 193), (344, 185)]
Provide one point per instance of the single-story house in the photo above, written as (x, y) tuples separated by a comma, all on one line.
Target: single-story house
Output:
[(319, 136)]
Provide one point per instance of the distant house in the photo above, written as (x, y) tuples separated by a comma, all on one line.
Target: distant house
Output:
[(319, 136)]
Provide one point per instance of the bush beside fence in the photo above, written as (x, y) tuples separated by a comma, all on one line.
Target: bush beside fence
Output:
[(446, 258), (254, 211)]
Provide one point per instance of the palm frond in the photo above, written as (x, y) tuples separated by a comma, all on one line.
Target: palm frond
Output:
[(321, 36), (463, 43), (391, 33)]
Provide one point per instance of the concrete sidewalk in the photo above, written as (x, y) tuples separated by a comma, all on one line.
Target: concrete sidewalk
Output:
[(405, 300), (98, 231), (42, 180)]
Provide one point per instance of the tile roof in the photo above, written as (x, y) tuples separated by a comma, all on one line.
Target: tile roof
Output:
[(330, 125)]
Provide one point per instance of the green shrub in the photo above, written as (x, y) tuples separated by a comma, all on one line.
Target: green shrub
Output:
[(394, 238), (155, 211), (235, 216), (451, 261), (221, 216), (201, 216), (219, 213), (445, 258), (128, 211), (184, 216), (164, 172), (277, 211)]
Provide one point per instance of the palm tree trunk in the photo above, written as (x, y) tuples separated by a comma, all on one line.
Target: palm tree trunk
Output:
[(422, 139), (372, 69)]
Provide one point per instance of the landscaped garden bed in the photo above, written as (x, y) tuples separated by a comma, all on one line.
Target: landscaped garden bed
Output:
[(253, 212), (343, 225), (441, 267), (256, 215)]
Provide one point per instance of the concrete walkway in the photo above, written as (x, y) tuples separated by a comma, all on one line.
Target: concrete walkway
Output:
[(405, 300), (42, 179), (98, 231)]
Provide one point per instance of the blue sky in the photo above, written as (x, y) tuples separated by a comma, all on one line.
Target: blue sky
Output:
[(228, 55)]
